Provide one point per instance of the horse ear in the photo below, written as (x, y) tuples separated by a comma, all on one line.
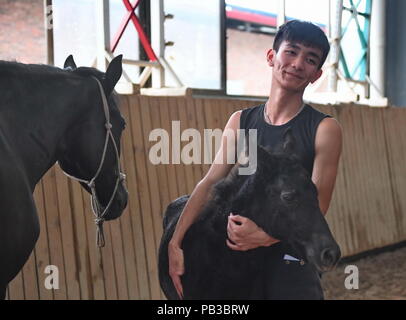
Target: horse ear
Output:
[(289, 141), (69, 63), (113, 73)]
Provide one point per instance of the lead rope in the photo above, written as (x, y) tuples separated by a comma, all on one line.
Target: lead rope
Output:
[(96, 206)]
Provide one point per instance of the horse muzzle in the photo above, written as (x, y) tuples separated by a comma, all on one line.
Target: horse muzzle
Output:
[(324, 253), (119, 203)]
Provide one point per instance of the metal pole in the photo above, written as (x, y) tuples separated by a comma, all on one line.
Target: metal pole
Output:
[(281, 13), (102, 32), (377, 49), (223, 45), (158, 40), (49, 34), (336, 13)]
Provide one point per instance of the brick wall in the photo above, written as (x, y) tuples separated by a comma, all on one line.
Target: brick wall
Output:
[(247, 68), (22, 34)]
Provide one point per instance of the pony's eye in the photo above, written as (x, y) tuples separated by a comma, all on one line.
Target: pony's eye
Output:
[(288, 196)]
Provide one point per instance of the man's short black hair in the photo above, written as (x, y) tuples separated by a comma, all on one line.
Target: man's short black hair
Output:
[(305, 33)]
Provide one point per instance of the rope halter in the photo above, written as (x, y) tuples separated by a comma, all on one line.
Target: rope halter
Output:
[(97, 208)]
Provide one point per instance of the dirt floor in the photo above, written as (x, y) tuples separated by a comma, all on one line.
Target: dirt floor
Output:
[(381, 277)]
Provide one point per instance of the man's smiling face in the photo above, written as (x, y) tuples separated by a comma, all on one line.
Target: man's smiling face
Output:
[(295, 65)]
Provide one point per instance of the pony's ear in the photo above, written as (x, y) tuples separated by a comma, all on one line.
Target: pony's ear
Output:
[(264, 151), (113, 73), (289, 142), (69, 63)]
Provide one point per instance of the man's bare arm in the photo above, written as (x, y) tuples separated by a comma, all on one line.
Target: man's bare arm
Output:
[(328, 146), (218, 170), (199, 197)]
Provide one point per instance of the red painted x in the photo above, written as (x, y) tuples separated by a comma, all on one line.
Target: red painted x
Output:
[(143, 38)]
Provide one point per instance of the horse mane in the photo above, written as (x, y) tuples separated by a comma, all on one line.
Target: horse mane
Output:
[(24, 71), (9, 68), (14, 67), (234, 192)]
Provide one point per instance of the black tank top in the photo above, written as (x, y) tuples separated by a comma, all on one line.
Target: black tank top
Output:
[(304, 127)]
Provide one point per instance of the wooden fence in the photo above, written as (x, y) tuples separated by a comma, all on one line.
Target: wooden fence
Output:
[(368, 209)]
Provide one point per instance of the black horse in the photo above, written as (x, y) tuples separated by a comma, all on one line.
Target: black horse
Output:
[(50, 115), (282, 199)]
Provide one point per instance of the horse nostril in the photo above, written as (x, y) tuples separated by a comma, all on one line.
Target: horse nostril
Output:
[(328, 257)]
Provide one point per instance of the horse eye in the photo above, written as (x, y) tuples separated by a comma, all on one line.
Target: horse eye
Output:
[(288, 196)]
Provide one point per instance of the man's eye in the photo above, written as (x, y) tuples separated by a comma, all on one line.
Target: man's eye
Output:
[(311, 61)]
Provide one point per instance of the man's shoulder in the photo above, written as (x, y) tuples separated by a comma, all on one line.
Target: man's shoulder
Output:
[(251, 109), (315, 111)]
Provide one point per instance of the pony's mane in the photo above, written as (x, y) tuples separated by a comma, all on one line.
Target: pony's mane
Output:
[(226, 192)]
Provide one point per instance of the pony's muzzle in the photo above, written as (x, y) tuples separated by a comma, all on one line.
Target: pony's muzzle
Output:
[(329, 257)]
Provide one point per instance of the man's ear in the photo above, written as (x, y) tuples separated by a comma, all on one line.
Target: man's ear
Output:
[(316, 76), (270, 56)]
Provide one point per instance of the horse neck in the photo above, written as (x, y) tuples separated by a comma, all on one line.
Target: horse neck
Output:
[(34, 127)]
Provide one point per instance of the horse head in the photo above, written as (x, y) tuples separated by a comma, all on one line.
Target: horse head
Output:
[(90, 149), (282, 199)]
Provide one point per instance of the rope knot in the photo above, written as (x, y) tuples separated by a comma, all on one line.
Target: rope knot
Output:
[(108, 125), (99, 221), (91, 184), (122, 176)]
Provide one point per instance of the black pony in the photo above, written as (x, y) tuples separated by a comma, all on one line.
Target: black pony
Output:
[(50, 115), (281, 198)]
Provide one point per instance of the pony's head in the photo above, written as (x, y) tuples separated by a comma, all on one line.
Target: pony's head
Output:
[(281, 198), (90, 149)]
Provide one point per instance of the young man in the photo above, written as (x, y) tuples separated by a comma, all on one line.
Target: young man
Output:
[(299, 51)]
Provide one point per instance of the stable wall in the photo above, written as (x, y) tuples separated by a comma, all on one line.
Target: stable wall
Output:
[(368, 209)]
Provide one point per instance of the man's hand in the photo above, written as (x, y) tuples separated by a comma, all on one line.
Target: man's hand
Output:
[(176, 267), (246, 235)]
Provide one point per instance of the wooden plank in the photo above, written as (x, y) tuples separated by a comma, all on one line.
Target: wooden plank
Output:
[(108, 266), (179, 172), (161, 175), (394, 123), (118, 256), (212, 123), (154, 187), (130, 240), (16, 288), (201, 125), (188, 169), (143, 190), (42, 252), (153, 195), (192, 123), (166, 172), (381, 193), (170, 168), (30, 279), (338, 212), (352, 178), (80, 241), (54, 231), (95, 256), (66, 222)]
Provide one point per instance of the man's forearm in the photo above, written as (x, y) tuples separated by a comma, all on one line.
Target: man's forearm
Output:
[(191, 211)]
